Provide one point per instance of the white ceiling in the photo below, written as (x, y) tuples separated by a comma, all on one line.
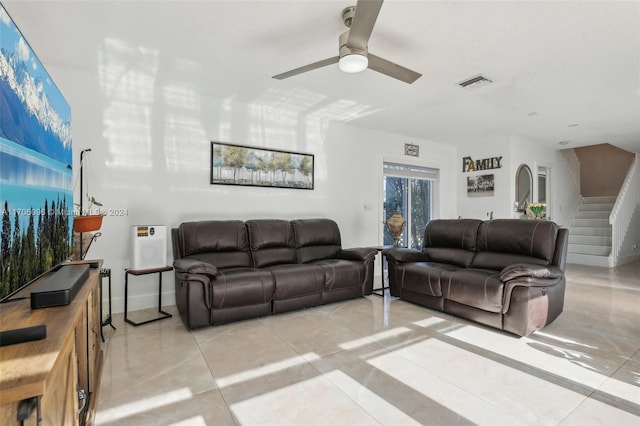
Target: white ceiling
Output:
[(555, 63)]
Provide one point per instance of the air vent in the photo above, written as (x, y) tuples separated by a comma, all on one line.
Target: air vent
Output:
[(475, 82)]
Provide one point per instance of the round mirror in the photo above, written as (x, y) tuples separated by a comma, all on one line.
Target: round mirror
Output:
[(524, 187)]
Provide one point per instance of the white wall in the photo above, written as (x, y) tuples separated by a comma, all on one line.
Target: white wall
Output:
[(514, 152), (630, 250), (562, 194), (478, 206), (151, 153)]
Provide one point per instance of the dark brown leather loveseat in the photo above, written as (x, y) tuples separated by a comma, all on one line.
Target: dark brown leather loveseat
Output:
[(231, 270), (504, 273)]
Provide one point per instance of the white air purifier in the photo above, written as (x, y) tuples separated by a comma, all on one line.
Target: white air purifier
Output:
[(149, 246)]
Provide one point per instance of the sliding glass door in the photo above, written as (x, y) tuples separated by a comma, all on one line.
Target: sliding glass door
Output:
[(411, 191)]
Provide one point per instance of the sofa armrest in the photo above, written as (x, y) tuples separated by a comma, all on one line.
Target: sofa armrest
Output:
[(402, 254), (528, 275), (197, 280), (193, 266), (359, 253), (527, 270), (543, 283)]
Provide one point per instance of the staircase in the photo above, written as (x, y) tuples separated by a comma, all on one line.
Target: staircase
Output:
[(590, 232)]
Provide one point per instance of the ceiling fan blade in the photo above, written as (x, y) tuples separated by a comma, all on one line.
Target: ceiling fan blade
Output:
[(362, 24), (306, 68), (385, 67)]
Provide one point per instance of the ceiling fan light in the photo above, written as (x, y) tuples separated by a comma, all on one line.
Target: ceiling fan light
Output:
[(353, 62)]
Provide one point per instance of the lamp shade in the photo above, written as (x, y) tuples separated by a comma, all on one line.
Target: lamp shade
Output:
[(353, 62)]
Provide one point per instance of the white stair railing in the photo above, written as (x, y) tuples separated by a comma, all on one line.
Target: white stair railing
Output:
[(573, 164), (623, 210)]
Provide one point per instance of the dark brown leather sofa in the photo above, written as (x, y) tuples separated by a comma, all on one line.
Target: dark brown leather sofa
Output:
[(232, 270), (504, 273)]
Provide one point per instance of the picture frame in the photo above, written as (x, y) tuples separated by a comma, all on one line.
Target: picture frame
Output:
[(412, 150), (481, 185), (261, 167)]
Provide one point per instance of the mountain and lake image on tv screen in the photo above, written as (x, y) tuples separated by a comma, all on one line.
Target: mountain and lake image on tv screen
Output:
[(36, 175)]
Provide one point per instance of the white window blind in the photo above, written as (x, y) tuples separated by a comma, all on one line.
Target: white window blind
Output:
[(409, 171)]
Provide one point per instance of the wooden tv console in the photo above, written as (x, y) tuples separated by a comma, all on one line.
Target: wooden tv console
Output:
[(55, 370)]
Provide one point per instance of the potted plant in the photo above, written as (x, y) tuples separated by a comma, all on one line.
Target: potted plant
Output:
[(87, 222), (537, 209)]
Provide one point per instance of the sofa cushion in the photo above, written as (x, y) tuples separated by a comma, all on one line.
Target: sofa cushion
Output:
[(237, 287), (271, 242), (339, 273), (424, 277), (498, 261), (502, 242), (316, 239), (224, 259), (451, 240), (296, 280), (222, 243), (458, 257), (478, 288)]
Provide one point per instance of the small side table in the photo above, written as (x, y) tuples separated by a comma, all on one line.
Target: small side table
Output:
[(383, 262), (105, 273), (138, 272)]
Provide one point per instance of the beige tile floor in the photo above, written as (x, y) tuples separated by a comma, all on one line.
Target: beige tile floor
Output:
[(377, 361)]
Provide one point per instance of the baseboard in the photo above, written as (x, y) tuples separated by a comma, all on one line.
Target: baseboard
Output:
[(628, 258), (587, 259)]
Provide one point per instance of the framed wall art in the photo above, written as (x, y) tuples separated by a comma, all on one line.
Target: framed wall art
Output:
[(412, 150), (251, 166), (480, 185)]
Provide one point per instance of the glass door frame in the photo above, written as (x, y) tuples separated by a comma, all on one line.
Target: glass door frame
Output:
[(434, 207), (548, 169)]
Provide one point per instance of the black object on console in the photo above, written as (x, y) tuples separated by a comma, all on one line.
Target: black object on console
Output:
[(61, 287), (21, 335)]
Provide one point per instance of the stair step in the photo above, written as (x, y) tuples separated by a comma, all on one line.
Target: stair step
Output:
[(596, 223), (593, 215), (590, 231), (587, 259), (598, 200), (597, 207), (589, 249), (590, 240)]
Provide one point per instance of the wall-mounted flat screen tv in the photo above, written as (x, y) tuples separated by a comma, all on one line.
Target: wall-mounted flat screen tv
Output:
[(36, 176)]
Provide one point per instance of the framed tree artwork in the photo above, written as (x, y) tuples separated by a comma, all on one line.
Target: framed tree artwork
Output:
[(252, 166)]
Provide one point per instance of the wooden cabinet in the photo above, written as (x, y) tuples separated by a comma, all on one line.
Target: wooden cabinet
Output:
[(55, 369)]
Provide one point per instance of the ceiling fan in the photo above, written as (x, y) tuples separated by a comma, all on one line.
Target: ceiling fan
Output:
[(354, 54)]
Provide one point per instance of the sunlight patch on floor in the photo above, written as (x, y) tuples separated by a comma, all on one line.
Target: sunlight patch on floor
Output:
[(299, 401), (274, 367), (468, 407), (563, 340), (428, 322), (146, 404), (369, 400), (193, 421), (357, 343), (623, 390), (568, 361)]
